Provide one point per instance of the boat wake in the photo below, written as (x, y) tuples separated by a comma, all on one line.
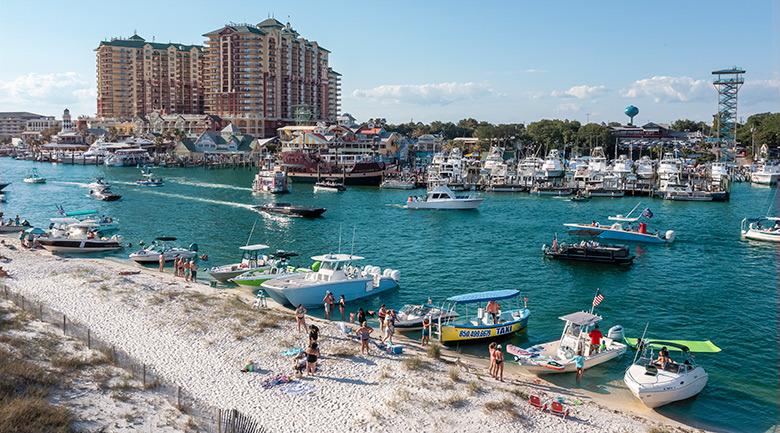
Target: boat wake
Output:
[(79, 184), (199, 199), (396, 205), (182, 181)]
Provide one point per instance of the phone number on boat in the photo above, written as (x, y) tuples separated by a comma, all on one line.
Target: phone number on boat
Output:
[(482, 333)]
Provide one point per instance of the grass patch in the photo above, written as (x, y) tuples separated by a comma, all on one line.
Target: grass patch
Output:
[(474, 387), (384, 373), (434, 351), (33, 414), (454, 374), (658, 430), (414, 363), (505, 407), (519, 392), (343, 351), (75, 363), (455, 401)]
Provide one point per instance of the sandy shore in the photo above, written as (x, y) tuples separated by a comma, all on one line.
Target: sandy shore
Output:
[(199, 338)]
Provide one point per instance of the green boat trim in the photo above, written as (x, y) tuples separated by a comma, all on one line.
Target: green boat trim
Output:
[(705, 346)]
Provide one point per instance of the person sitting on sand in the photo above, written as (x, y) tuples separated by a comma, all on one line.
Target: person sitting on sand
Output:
[(312, 352), (299, 363), (300, 317), (250, 367), (364, 333)]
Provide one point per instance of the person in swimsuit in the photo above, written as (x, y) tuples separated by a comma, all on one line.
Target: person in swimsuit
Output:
[(579, 363), (382, 313), (314, 334), (361, 316), (342, 305), (491, 352), (193, 270), (328, 303), (162, 262), (186, 267), (389, 327), (300, 317), (312, 352), (498, 354), (426, 331), (364, 333)]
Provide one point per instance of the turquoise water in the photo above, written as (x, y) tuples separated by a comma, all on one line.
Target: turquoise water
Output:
[(707, 285)]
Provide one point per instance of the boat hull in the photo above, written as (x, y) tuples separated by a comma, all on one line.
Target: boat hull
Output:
[(454, 333), (79, 246), (311, 296), (757, 235), (457, 204), (613, 234), (12, 229), (553, 365), (660, 394)]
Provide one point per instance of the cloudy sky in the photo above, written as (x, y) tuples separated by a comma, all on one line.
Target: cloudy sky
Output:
[(502, 61)]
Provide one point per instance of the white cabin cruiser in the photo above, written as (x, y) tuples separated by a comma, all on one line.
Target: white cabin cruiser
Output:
[(103, 223), (622, 166), (645, 168), (442, 197), (669, 167), (250, 260), (79, 237), (34, 177), (761, 229), (274, 181), (162, 245), (767, 173), (553, 164), (597, 162)]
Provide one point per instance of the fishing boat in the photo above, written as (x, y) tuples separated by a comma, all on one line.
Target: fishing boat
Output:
[(277, 265), (553, 164), (442, 198), (761, 229), (398, 184), (291, 210), (148, 179), (478, 325), (645, 168), (329, 185), (250, 260), (34, 177), (335, 274), (410, 317), (162, 246), (617, 232), (80, 237), (656, 384), (558, 356), (767, 173), (589, 251)]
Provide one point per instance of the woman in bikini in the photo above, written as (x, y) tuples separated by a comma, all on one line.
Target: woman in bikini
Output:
[(342, 305), (312, 352), (364, 333), (300, 317), (492, 352), (498, 354)]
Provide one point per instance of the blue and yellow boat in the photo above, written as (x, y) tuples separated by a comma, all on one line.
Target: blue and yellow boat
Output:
[(478, 324)]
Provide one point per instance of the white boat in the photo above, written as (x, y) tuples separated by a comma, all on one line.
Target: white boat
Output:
[(103, 223), (767, 173), (329, 185), (398, 184), (410, 317), (719, 171), (272, 180), (80, 237), (627, 217), (161, 245), (622, 166), (657, 385), (645, 169), (617, 232), (769, 231), (669, 167), (553, 164), (104, 194), (98, 185), (558, 356), (672, 188), (34, 177), (442, 197), (597, 162), (128, 158), (148, 179), (250, 260), (276, 266), (336, 274)]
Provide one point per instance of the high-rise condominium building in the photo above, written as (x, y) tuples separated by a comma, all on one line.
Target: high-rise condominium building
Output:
[(265, 76), (136, 77)]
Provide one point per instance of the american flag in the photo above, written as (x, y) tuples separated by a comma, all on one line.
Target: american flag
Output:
[(597, 299), (647, 213)]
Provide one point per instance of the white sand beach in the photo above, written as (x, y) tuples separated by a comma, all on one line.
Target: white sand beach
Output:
[(199, 338)]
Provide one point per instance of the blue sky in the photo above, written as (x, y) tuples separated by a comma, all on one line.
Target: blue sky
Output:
[(501, 61)]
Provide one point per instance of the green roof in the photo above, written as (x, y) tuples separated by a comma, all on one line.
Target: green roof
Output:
[(136, 41), (242, 28)]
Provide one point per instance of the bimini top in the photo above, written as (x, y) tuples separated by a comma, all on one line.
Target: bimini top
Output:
[(705, 346), (255, 247), (491, 295), (64, 220), (581, 318), (165, 238), (80, 213), (336, 258)]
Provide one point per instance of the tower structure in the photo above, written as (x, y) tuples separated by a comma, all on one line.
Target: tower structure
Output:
[(727, 82)]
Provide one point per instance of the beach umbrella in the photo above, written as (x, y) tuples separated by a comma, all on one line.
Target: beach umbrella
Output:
[(35, 231)]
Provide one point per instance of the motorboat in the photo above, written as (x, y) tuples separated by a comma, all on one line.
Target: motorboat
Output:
[(589, 251), (719, 171), (598, 161), (767, 173), (761, 229), (329, 185), (98, 185), (553, 164), (148, 179), (617, 232), (250, 260), (557, 191), (291, 210), (442, 197), (398, 184), (622, 166), (276, 266), (162, 246), (410, 317), (645, 168), (13, 226), (103, 223), (34, 177), (274, 181), (335, 274), (125, 157), (656, 384), (477, 324), (80, 237), (104, 194), (669, 166), (559, 356)]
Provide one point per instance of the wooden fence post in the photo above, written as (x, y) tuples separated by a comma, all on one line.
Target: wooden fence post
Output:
[(89, 339), (144, 374), (233, 419), (64, 319), (178, 397)]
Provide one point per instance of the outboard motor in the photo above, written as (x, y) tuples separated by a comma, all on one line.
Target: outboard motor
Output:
[(670, 235), (395, 275), (616, 333)]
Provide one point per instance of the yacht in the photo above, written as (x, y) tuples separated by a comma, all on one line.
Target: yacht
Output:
[(761, 229), (80, 237), (448, 169), (672, 188), (162, 246), (553, 164), (645, 168), (103, 223), (767, 173), (669, 166), (719, 171), (622, 166), (335, 274), (128, 158), (494, 158), (272, 181), (597, 162), (442, 197)]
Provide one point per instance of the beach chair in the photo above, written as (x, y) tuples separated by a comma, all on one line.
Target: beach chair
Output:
[(556, 408), (536, 402)]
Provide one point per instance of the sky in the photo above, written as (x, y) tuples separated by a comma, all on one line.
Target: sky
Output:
[(500, 61)]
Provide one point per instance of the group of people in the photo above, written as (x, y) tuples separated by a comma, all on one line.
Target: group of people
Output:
[(182, 268), (329, 300), (11, 221), (496, 368)]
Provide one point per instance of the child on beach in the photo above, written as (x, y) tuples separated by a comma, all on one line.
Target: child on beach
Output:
[(364, 333), (300, 316)]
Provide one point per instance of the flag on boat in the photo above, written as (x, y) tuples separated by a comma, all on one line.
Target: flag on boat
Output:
[(647, 213), (597, 299)]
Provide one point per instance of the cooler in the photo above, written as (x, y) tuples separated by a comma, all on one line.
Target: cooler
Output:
[(642, 228)]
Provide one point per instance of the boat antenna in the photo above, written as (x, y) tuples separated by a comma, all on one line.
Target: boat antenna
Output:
[(641, 340), (632, 210), (251, 231), (354, 230)]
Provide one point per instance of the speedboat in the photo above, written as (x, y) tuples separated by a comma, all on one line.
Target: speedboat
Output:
[(276, 266), (291, 210), (104, 194), (329, 185), (442, 197), (162, 246), (80, 237), (398, 184), (616, 231), (480, 326), (250, 260), (410, 317), (148, 179), (98, 185), (104, 223), (656, 384), (752, 228), (34, 177), (558, 356), (335, 274), (589, 251)]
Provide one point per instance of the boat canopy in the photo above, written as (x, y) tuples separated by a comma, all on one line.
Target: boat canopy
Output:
[(255, 247), (165, 238), (336, 258), (705, 346), (64, 220), (582, 318), (492, 295), (80, 213)]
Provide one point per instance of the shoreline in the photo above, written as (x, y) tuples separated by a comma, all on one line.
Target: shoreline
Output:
[(145, 303)]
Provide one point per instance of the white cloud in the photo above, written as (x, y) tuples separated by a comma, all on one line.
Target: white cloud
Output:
[(754, 92), (49, 93), (533, 71), (580, 92), (426, 94), (670, 89)]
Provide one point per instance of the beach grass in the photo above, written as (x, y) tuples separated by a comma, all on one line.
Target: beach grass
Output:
[(454, 374), (455, 401), (414, 363), (34, 414), (474, 387), (504, 407), (434, 351), (76, 362), (343, 351)]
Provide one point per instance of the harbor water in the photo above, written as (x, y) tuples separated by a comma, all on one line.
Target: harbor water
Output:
[(708, 284)]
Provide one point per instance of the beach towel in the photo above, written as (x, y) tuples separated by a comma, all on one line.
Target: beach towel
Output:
[(292, 352), (279, 379), (297, 388)]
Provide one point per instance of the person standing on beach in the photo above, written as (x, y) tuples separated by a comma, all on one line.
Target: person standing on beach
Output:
[(342, 305), (300, 317), (193, 270), (499, 360), (579, 362), (364, 333), (389, 327), (382, 313), (186, 267), (162, 262), (176, 266), (491, 352), (328, 303), (426, 331), (314, 334)]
